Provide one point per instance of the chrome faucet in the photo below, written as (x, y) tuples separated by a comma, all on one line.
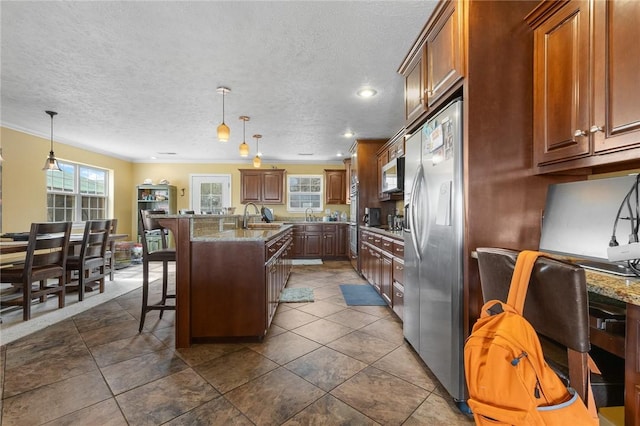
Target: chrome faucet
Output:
[(244, 216), (307, 215)]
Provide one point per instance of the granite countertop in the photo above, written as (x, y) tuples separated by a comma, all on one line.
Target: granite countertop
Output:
[(240, 234), (382, 231), (616, 287)]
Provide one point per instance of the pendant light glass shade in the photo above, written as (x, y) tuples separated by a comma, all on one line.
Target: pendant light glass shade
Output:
[(257, 161), (244, 148), (223, 129), (51, 163)]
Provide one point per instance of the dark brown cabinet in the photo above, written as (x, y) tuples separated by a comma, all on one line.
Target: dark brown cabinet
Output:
[(348, 180), (342, 240), (381, 256), (586, 91), (262, 186), (444, 52), (308, 241), (335, 186), (435, 63), (394, 148)]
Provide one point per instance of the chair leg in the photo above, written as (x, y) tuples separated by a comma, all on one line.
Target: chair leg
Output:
[(62, 292), (26, 301), (81, 284), (165, 285), (145, 293)]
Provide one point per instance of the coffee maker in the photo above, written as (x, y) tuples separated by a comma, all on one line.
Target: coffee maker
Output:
[(371, 216)]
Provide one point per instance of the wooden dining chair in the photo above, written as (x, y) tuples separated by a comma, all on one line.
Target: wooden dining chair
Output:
[(45, 260), (110, 254), (149, 226), (90, 262)]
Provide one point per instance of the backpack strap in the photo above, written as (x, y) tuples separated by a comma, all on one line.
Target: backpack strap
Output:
[(520, 279)]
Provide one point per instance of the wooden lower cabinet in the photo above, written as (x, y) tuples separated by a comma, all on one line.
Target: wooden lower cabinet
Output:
[(382, 264), (320, 240), (632, 367)]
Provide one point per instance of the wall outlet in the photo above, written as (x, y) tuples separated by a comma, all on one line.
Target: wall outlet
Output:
[(624, 252)]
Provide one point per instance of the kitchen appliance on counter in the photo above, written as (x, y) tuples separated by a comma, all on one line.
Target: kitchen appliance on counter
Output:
[(372, 216), (433, 235)]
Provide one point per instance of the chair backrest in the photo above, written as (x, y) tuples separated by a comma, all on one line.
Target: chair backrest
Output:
[(95, 238), (148, 225), (557, 303), (48, 245)]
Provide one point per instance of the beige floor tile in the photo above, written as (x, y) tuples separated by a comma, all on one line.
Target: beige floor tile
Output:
[(292, 318), (330, 411), (384, 397), (284, 347), (199, 353), (321, 309), (166, 398), (55, 400), (352, 318), (323, 331), (362, 346), (438, 411), (217, 412), (275, 397), (325, 367), (126, 375), (235, 369), (404, 363), (386, 329), (105, 413), (124, 349)]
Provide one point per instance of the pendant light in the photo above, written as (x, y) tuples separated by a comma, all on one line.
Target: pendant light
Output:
[(51, 163), (223, 129), (257, 162), (244, 148)]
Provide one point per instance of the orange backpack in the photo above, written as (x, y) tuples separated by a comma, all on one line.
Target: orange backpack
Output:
[(508, 379)]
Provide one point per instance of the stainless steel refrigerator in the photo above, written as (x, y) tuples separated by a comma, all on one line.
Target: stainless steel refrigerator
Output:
[(433, 237)]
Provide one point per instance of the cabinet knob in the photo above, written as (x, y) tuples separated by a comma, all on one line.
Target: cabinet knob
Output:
[(594, 129), (579, 133)]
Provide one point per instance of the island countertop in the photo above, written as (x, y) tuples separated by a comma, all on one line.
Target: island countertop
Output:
[(616, 287)]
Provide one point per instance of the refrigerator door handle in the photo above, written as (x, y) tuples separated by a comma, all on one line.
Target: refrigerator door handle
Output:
[(412, 222)]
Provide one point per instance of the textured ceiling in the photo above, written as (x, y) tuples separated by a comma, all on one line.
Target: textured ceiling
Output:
[(136, 79)]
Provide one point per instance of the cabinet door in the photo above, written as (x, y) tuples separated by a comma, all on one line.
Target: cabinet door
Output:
[(616, 69), (251, 187), (335, 186), (414, 87), (561, 89), (298, 241), (383, 159), (347, 180), (342, 243), (386, 277), (329, 244), (273, 184), (444, 52), (313, 244)]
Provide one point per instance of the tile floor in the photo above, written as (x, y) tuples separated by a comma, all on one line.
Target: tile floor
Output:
[(322, 363)]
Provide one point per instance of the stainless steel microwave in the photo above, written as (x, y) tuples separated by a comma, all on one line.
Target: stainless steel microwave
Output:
[(393, 175)]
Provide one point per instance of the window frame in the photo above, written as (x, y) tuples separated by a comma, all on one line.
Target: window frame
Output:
[(77, 195), (319, 193)]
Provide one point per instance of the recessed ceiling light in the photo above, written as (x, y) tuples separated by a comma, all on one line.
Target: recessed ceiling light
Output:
[(305, 153), (348, 134), (339, 154), (366, 92)]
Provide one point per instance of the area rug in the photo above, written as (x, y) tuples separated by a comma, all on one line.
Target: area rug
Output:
[(306, 262), (296, 295), (361, 295)]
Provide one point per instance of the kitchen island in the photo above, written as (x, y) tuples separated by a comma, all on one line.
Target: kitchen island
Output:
[(228, 281)]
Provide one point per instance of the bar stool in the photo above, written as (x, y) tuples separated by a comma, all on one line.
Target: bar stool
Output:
[(150, 226)]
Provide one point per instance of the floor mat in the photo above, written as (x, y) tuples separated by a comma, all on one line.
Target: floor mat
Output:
[(361, 295), (306, 262), (296, 295)]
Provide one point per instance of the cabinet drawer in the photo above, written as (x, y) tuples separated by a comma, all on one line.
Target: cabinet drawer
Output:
[(398, 249), (398, 299), (398, 270), (386, 244), (313, 228)]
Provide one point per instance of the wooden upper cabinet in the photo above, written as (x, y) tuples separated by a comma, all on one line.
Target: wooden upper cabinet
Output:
[(586, 89), (444, 52), (616, 115), (414, 79), (347, 183), (335, 186), (262, 186), (561, 84)]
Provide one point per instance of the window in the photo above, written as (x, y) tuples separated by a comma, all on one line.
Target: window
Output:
[(303, 192), (210, 193), (77, 193)]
